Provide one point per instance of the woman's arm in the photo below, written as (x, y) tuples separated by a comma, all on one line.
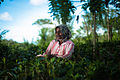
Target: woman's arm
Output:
[(48, 50)]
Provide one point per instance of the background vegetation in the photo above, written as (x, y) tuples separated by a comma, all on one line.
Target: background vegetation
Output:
[(96, 56)]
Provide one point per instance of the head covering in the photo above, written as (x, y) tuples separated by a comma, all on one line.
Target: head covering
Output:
[(65, 31)]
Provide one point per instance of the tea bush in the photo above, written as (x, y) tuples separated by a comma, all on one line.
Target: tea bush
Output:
[(18, 61)]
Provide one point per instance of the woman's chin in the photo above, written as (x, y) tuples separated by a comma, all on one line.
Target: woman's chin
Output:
[(58, 38)]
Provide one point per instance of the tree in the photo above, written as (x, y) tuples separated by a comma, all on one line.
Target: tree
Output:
[(2, 33), (51, 34), (108, 15), (87, 23), (61, 10), (46, 34), (115, 23), (43, 34), (107, 2), (44, 31), (116, 3), (43, 22), (95, 7), (1, 1)]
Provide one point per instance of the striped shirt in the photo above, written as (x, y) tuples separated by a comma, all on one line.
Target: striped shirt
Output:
[(64, 50)]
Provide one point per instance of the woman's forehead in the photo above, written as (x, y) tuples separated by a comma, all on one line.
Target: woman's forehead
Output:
[(62, 28), (57, 28)]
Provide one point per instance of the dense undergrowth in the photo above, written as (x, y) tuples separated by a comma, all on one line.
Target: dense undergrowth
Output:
[(18, 61)]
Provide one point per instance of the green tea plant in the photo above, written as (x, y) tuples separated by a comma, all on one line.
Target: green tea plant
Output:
[(18, 61)]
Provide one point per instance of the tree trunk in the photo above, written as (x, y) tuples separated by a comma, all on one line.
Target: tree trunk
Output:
[(118, 31), (109, 27), (94, 33), (111, 33), (118, 35), (86, 27), (91, 29)]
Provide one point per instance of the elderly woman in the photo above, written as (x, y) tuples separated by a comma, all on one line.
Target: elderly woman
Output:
[(61, 46)]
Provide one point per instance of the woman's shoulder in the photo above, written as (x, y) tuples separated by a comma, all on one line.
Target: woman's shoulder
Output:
[(53, 41), (69, 42)]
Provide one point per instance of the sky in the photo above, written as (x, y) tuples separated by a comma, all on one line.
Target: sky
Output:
[(17, 16)]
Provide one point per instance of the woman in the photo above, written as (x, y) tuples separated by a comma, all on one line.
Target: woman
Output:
[(61, 46)]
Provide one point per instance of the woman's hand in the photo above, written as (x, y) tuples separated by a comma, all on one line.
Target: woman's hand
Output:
[(40, 55)]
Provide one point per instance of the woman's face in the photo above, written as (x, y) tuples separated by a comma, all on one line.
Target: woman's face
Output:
[(58, 33)]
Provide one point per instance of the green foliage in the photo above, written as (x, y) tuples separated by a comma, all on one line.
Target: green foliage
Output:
[(115, 23), (18, 61), (46, 36), (2, 33), (61, 10), (93, 5), (43, 22), (11, 54)]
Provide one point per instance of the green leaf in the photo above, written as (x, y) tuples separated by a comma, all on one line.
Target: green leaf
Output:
[(52, 60), (4, 60)]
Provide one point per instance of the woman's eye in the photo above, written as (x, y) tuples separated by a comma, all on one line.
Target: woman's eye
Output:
[(58, 32)]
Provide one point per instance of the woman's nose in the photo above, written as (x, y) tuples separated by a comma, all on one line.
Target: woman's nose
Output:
[(56, 33), (60, 34)]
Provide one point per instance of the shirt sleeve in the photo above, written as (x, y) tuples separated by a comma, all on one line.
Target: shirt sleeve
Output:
[(69, 49), (48, 50)]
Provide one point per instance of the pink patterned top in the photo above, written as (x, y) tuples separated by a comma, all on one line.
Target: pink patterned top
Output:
[(64, 50)]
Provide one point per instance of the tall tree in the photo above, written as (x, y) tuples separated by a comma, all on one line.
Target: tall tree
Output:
[(95, 7), (115, 21), (107, 2), (108, 15), (87, 23)]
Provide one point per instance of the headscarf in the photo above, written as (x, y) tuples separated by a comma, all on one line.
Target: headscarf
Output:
[(65, 31)]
